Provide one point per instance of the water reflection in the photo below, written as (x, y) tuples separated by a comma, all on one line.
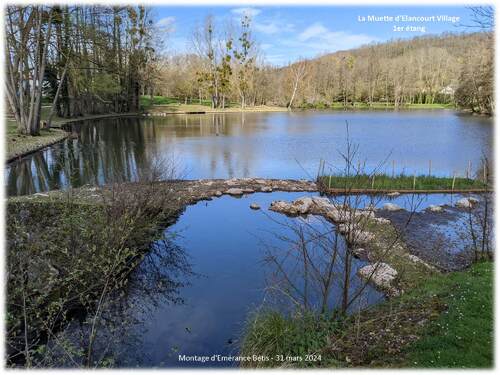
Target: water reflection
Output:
[(227, 244), (163, 274), (285, 145), (311, 269)]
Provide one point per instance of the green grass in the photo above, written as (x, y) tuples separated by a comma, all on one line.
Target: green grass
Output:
[(375, 105), (146, 102), (402, 182), (463, 335), (271, 334), (446, 321), (20, 144)]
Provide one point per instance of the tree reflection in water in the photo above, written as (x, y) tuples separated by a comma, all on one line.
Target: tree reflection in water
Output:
[(307, 270), (159, 279)]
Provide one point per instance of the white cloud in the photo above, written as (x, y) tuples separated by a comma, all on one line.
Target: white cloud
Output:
[(251, 12), (273, 27), (318, 37), (312, 31), (266, 28), (167, 22)]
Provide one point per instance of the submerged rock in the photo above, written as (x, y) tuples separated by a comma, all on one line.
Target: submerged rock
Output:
[(467, 202), (394, 194), (391, 207), (381, 275), (434, 208), (254, 206)]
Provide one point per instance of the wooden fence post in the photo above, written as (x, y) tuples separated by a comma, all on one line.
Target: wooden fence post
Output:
[(319, 169), (414, 180)]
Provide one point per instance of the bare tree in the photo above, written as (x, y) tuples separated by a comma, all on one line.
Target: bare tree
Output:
[(298, 72)]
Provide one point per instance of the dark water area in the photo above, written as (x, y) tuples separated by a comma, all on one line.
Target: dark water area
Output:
[(227, 247), (268, 145)]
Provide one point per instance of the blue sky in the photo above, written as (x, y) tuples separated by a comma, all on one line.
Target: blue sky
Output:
[(286, 33)]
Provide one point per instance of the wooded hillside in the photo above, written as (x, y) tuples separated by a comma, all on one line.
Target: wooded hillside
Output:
[(447, 69)]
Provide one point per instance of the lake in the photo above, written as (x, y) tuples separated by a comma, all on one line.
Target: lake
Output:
[(279, 145), (193, 294)]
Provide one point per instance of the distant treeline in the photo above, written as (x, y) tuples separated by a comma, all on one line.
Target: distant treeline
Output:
[(448, 69), (96, 59)]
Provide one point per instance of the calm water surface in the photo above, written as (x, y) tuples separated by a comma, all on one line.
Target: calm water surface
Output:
[(226, 245), (279, 145)]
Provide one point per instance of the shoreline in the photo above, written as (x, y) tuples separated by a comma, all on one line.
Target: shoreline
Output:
[(405, 292), (59, 124), (40, 143)]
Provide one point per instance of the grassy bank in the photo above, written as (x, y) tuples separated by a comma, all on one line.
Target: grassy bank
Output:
[(21, 144), (161, 104), (400, 182), (376, 105), (447, 321)]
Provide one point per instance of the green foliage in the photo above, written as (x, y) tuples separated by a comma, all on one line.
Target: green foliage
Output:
[(385, 182), (270, 333), (63, 256), (105, 84)]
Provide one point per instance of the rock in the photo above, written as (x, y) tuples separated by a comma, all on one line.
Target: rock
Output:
[(248, 191), (360, 253), (467, 202), (279, 206), (382, 276), (361, 237), (218, 193), (322, 205), (416, 259), (381, 220), (260, 181), (254, 206), (434, 208), (300, 206), (41, 195), (394, 194), (234, 191), (370, 207), (391, 207), (231, 182), (266, 189)]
